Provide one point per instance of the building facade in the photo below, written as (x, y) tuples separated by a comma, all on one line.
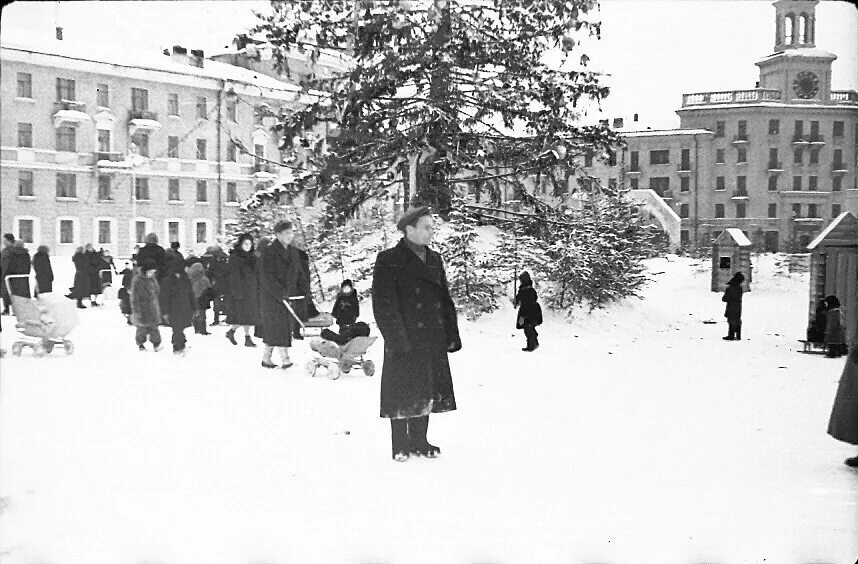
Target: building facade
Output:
[(777, 161), (104, 148)]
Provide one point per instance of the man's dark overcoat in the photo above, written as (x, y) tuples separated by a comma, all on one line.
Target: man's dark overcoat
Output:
[(281, 279), (244, 286), (417, 318), (81, 275)]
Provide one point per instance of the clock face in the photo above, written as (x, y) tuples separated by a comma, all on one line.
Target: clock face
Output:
[(805, 85)]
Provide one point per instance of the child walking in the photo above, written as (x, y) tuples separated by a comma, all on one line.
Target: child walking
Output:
[(177, 304), (203, 295), (145, 310)]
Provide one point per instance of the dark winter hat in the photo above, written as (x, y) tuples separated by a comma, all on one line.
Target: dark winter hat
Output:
[(151, 238), (737, 278), (524, 277), (411, 217), (148, 265), (348, 283), (832, 302), (9, 237), (245, 237), (175, 245), (283, 225)]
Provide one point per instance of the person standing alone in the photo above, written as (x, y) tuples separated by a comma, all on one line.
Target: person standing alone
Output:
[(733, 311), (417, 318), (529, 311)]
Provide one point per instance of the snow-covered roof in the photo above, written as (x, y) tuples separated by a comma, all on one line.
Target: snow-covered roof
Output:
[(150, 60), (831, 227), (736, 235), (800, 52), (663, 132)]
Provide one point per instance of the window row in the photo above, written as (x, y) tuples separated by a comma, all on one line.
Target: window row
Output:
[(796, 210), (66, 187), (105, 230), (774, 183), (838, 129), (66, 90)]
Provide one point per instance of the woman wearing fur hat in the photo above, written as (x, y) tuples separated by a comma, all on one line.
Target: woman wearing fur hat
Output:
[(346, 308), (244, 291), (733, 312)]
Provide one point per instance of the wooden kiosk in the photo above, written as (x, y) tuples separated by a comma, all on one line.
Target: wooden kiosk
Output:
[(834, 268), (731, 253)]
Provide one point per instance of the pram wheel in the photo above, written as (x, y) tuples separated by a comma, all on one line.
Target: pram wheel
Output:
[(368, 367), (17, 348), (334, 371), (310, 368), (68, 346), (345, 365), (38, 351), (48, 346)]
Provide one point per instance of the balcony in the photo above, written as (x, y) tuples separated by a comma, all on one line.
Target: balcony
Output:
[(839, 168), (142, 120), (730, 97), (816, 139), (264, 171), (740, 139), (67, 112), (800, 140), (775, 167), (739, 195), (844, 97), (667, 195), (110, 160), (634, 171), (684, 169)]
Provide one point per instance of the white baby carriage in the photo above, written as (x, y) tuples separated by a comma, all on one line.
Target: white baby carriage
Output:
[(340, 359), (42, 324)]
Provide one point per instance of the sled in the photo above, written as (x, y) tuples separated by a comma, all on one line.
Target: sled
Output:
[(811, 347)]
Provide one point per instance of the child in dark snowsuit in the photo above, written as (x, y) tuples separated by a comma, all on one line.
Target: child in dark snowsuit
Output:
[(203, 295), (123, 293), (733, 312), (346, 308), (145, 310), (177, 303)]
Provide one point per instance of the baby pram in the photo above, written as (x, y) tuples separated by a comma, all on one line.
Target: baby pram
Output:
[(42, 323), (315, 324)]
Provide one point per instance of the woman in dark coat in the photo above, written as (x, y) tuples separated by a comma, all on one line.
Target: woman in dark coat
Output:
[(177, 303), (816, 329), (281, 279), (733, 311), (835, 335), (417, 318), (44, 272), (346, 308), (244, 291), (80, 290), (19, 263), (529, 311), (843, 424), (217, 271), (98, 262)]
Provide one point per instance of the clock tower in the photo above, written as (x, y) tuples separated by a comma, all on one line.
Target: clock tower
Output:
[(797, 68)]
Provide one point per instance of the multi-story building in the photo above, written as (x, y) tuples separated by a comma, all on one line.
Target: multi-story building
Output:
[(777, 161), (104, 147)]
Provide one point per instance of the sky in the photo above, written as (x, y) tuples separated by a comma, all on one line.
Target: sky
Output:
[(654, 50)]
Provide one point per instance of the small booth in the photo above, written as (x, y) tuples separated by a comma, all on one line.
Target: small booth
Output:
[(731, 253), (834, 268)]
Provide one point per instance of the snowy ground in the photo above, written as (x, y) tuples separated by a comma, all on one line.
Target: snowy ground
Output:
[(634, 435)]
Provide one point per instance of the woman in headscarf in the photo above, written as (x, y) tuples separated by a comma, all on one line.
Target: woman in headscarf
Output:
[(244, 290)]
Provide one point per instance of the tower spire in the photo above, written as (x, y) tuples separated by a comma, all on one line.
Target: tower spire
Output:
[(795, 24)]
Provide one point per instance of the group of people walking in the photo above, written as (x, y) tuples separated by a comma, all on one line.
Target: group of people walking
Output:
[(15, 261), (93, 271)]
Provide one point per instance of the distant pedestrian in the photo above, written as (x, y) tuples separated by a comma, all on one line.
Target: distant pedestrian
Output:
[(529, 311), (98, 268), (281, 279), (843, 423), (5, 253), (175, 245), (124, 293), (80, 289), (244, 290), (202, 289), (816, 329), (177, 303), (145, 306), (417, 318), (43, 270), (152, 251), (835, 332), (733, 311), (19, 264), (217, 271)]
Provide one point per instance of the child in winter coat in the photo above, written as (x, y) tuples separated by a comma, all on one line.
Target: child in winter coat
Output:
[(203, 295), (177, 303), (733, 311), (346, 307), (124, 294), (145, 310), (529, 312)]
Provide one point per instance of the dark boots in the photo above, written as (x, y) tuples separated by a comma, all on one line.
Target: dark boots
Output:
[(248, 342), (408, 436), (734, 330), (532, 338), (230, 335), (399, 439)]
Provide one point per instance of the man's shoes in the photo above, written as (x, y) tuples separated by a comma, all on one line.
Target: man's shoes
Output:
[(81, 306), (157, 348), (727, 338), (286, 365), (400, 456), (230, 336), (851, 462), (427, 450), (141, 348), (248, 342), (268, 364)]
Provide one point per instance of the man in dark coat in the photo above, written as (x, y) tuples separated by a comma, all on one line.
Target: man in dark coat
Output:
[(304, 308), (80, 289), (19, 263), (8, 241), (733, 311), (217, 271), (152, 251), (177, 303), (417, 318), (43, 270), (281, 279)]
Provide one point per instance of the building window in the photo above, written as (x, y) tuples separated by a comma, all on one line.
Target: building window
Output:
[(202, 191), (25, 230), (683, 238), (140, 231), (814, 156), (814, 130), (230, 110), (173, 231), (741, 185), (231, 151), (719, 156), (25, 135), (774, 126), (796, 183), (719, 183), (104, 140), (66, 185), (742, 128), (173, 193), (685, 160), (102, 95), (141, 140), (104, 191), (634, 183), (836, 183), (65, 90), (172, 104), (811, 210), (139, 99), (773, 157), (773, 210), (683, 211), (659, 157), (836, 132), (799, 129), (773, 183), (67, 231), (66, 139), (719, 128), (796, 210), (172, 147), (659, 184), (797, 156), (719, 210), (141, 189), (742, 155), (259, 151), (612, 158), (835, 210), (811, 183), (588, 159), (838, 159), (201, 149), (25, 183), (25, 85), (202, 113), (104, 229), (202, 232), (633, 161), (684, 184), (741, 209), (231, 192)]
